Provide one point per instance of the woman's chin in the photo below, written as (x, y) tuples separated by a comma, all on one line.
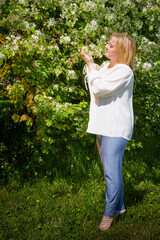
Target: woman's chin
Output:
[(107, 56)]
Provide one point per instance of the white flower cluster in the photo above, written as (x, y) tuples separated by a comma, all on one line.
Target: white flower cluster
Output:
[(85, 49), (51, 21), (28, 25), (65, 39), (139, 24), (103, 37), (89, 6), (90, 27), (41, 48), (56, 47), (127, 3), (14, 41), (137, 63), (36, 63), (110, 16), (147, 66), (70, 89), (12, 18), (67, 9), (72, 74), (58, 106), (96, 51), (2, 56), (36, 35), (55, 86), (73, 8), (146, 45), (22, 1), (66, 105), (58, 71), (38, 32)]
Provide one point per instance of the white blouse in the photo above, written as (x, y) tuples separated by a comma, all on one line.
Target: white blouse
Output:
[(111, 110)]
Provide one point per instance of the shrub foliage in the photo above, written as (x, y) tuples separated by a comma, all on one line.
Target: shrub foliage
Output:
[(43, 97)]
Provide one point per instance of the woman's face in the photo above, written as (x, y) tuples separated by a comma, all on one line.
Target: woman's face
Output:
[(111, 52)]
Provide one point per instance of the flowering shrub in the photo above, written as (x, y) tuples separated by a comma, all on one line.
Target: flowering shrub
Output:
[(41, 69)]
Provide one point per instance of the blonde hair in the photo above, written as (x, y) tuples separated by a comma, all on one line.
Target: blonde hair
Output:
[(126, 48)]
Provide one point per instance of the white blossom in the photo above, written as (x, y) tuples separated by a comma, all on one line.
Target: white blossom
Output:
[(137, 62), (56, 47), (38, 32), (55, 86), (110, 16), (51, 21), (33, 25), (70, 89), (36, 63), (85, 49), (26, 24), (73, 8), (127, 3), (12, 18), (50, 98), (2, 56), (103, 37), (50, 47), (89, 6), (144, 10), (98, 53), (72, 74), (147, 66), (65, 39), (14, 41), (8, 38), (7, 46), (90, 27), (21, 1), (36, 38), (15, 47), (58, 106), (58, 71), (42, 48)]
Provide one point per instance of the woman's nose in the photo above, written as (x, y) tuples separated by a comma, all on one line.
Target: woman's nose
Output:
[(106, 46)]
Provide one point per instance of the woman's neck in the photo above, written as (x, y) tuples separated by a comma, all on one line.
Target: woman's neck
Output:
[(112, 64)]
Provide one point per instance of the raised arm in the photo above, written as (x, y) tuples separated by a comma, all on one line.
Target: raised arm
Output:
[(111, 82)]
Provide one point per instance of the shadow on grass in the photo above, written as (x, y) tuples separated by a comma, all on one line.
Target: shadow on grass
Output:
[(132, 196)]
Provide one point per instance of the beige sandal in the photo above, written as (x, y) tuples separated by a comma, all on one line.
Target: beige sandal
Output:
[(105, 223), (120, 212)]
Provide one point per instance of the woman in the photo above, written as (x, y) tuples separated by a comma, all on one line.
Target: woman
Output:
[(111, 115)]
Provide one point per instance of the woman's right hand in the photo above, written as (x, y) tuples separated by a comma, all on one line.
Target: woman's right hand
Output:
[(86, 57)]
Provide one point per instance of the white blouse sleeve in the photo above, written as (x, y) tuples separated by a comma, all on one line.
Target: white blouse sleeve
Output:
[(111, 82)]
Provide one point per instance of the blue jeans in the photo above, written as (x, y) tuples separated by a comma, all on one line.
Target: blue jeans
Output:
[(111, 151)]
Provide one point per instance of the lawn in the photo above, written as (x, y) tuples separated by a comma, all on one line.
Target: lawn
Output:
[(67, 208)]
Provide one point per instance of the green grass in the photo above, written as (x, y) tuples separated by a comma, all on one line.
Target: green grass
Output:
[(60, 210), (72, 208)]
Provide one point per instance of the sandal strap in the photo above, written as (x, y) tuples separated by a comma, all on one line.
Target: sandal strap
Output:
[(106, 222)]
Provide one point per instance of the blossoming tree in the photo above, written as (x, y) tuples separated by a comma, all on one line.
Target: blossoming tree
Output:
[(41, 70)]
